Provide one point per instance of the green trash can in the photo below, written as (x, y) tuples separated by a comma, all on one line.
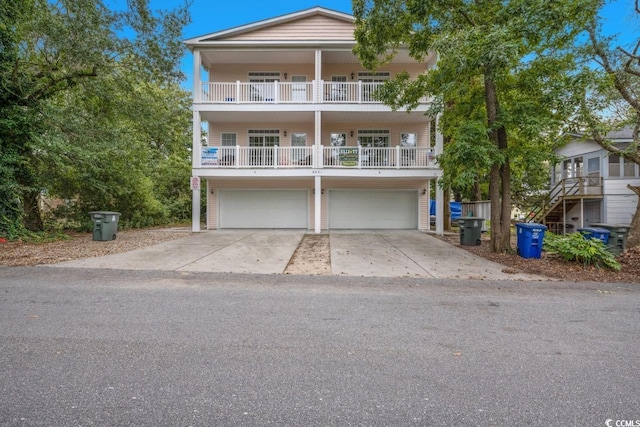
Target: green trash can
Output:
[(105, 225), (470, 230), (617, 237)]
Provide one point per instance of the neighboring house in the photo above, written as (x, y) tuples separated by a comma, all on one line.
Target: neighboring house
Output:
[(590, 185), (296, 136)]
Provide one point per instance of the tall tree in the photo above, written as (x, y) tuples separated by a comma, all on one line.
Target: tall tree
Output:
[(496, 59), (608, 97), (49, 48)]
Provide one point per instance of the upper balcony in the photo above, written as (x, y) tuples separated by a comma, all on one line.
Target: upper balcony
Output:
[(292, 93), (317, 157)]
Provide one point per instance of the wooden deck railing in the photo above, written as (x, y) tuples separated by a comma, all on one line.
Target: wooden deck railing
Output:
[(568, 188)]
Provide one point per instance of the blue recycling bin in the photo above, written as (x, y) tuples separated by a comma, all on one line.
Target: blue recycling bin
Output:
[(594, 233), (530, 237)]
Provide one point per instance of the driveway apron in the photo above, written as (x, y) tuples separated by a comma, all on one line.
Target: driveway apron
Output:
[(364, 253)]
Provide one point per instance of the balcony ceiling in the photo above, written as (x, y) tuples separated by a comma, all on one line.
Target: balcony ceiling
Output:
[(346, 117), (287, 56)]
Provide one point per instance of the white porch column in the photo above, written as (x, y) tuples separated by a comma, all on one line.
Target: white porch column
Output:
[(318, 76), (318, 205), (317, 164), (439, 191), (428, 197), (196, 162), (439, 210), (195, 210), (197, 77)]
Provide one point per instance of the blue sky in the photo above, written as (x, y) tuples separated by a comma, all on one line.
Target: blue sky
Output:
[(209, 16)]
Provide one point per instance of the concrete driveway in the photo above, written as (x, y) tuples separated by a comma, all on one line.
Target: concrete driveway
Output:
[(369, 253)]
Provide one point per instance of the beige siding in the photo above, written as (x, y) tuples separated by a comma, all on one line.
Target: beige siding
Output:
[(423, 209), (329, 70), (242, 129), (324, 221), (311, 28), (212, 207), (234, 73), (394, 132), (242, 132)]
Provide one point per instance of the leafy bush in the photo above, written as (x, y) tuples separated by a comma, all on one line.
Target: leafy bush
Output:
[(575, 247)]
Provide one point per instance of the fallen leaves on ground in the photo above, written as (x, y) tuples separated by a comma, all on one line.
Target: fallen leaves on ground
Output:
[(555, 267), (82, 245)]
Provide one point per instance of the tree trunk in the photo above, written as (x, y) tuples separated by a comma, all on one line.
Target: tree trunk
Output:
[(32, 218), (633, 239), (500, 175), (505, 176)]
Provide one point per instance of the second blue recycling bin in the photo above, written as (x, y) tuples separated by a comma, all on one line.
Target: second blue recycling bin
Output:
[(530, 238), (596, 234)]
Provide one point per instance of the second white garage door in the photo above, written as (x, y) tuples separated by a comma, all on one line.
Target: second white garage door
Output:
[(373, 209), (263, 208)]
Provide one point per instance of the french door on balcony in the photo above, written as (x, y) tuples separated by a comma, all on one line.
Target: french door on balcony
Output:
[(374, 143), (262, 143), (262, 88), (299, 88)]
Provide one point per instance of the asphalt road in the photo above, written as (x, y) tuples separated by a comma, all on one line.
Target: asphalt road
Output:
[(118, 348)]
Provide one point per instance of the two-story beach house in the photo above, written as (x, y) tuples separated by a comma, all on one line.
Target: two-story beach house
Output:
[(589, 185), (296, 136)]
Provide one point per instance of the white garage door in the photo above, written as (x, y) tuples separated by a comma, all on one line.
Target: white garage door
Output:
[(263, 209), (390, 209)]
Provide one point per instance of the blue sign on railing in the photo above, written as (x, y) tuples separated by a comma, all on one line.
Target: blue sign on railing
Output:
[(209, 156)]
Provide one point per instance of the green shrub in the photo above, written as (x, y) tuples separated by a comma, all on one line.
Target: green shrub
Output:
[(575, 247)]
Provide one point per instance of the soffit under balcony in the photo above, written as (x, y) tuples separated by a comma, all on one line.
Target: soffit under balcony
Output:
[(292, 55), (365, 117), (342, 117)]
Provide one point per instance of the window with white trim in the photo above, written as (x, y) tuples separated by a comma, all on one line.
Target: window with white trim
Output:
[(374, 76), (228, 139)]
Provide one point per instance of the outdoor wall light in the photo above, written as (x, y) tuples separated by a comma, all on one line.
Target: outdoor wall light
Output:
[(352, 75), (351, 133), (424, 191), (285, 133), (285, 76)]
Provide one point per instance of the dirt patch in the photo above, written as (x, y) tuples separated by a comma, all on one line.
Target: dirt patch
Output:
[(313, 256), (82, 245)]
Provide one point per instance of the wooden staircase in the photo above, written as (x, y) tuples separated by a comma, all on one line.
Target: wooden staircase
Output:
[(562, 198)]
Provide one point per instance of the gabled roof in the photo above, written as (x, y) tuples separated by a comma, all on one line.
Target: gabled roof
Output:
[(235, 32), (620, 135)]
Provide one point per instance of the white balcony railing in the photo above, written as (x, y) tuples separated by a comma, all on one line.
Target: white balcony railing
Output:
[(354, 92), (291, 93), (258, 93), (317, 157)]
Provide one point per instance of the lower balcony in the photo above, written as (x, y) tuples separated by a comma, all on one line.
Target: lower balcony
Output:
[(317, 157)]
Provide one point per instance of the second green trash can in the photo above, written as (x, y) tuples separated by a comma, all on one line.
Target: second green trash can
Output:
[(105, 225), (617, 237), (470, 230)]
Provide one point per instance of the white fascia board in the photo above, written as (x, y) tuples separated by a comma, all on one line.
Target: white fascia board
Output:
[(337, 44), (268, 22)]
